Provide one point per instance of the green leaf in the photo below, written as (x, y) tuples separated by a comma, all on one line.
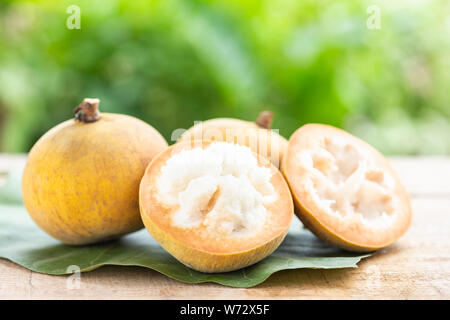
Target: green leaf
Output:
[(25, 244)]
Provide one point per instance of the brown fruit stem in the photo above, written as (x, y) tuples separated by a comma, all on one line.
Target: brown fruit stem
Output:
[(87, 111), (265, 119)]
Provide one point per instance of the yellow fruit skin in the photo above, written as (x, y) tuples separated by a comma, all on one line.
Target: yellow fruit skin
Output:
[(81, 181), (260, 140), (209, 262)]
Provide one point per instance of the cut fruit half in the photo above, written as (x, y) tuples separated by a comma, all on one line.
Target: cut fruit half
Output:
[(344, 190), (215, 206)]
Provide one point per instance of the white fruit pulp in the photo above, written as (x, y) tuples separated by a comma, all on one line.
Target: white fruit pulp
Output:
[(220, 187), (344, 181)]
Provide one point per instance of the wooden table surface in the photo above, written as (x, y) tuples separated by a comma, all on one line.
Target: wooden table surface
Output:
[(416, 267)]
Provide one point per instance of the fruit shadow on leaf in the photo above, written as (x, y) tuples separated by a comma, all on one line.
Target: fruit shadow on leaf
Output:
[(306, 244)]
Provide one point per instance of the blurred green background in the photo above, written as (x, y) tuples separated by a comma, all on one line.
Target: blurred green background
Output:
[(171, 62)]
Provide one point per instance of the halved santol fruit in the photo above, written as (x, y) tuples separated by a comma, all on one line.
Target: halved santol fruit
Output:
[(81, 181), (256, 135), (215, 206), (344, 190)]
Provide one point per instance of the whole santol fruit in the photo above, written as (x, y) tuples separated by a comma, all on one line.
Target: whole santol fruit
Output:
[(215, 206), (344, 190), (256, 135), (81, 181)]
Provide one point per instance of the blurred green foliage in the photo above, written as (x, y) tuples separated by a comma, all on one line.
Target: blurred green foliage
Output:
[(171, 62)]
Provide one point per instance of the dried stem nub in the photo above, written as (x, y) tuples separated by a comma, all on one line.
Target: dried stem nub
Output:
[(87, 111), (265, 119)]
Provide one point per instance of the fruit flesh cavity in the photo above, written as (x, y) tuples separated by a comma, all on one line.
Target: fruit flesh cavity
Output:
[(81, 181), (217, 207), (345, 182), (344, 190)]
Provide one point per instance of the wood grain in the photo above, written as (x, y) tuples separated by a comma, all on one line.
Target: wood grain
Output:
[(416, 267)]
